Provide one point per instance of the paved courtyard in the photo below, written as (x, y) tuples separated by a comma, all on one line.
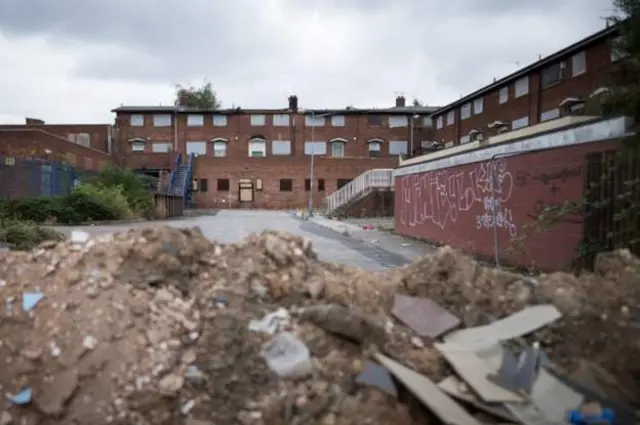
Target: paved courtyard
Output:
[(231, 226)]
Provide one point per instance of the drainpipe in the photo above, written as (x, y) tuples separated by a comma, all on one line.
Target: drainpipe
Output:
[(175, 131)]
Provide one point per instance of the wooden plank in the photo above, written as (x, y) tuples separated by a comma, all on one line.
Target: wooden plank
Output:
[(443, 406), (473, 370), (523, 322)]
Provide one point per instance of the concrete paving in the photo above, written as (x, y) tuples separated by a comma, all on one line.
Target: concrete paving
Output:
[(229, 226)]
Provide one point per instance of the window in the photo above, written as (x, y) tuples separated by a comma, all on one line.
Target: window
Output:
[(439, 122), (203, 185), (550, 115), (465, 139), (374, 120), (307, 185), (427, 122), (617, 49), (195, 120), (465, 112), (197, 148), (520, 123), (257, 148), (161, 147), (521, 87), (219, 147), (315, 148), (313, 121), (223, 185), (137, 146), (478, 106), (136, 120), (375, 146), (162, 120), (281, 120), (504, 94), (281, 147), (337, 148), (398, 147), (396, 122), (551, 75), (82, 139), (342, 182), (286, 185), (337, 121), (451, 117), (320, 185), (219, 120), (257, 120), (578, 64)]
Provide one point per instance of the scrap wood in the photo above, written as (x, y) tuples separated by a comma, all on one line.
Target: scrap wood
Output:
[(423, 315)]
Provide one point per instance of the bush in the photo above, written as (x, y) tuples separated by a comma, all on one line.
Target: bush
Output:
[(39, 210), (133, 186), (24, 235)]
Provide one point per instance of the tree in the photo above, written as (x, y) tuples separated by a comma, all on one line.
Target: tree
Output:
[(203, 97), (417, 103)]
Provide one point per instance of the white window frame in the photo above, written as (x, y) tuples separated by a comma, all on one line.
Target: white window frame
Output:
[(157, 119), (521, 87), (451, 117), (219, 120), (257, 144), (579, 64), (503, 95), (465, 111), (137, 146), (281, 120), (339, 144), (200, 143), (166, 147), (393, 143), (478, 106), (220, 146), (337, 121), (549, 115), (195, 120), (398, 121), (258, 120), (275, 143), (314, 121), (439, 122), (520, 123), (375, 145), (308, 150), (136, 120)]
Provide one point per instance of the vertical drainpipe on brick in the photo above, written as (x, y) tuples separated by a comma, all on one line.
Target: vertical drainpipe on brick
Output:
[(175, 130), (538, 104)]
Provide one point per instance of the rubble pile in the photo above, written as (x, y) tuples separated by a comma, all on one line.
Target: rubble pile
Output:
[(163, 326)]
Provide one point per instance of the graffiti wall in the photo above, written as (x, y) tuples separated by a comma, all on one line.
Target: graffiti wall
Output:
[(510, 199)]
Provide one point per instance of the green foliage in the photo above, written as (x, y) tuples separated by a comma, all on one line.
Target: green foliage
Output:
[(203, 97), (25, 235), (132, 186)]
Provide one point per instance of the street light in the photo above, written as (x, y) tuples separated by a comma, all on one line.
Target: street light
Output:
[(312, 169)]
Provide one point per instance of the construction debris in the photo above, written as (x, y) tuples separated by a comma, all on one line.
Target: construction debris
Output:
[(163, 326)]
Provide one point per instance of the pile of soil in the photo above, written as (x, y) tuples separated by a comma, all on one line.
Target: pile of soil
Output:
[(153, 326)]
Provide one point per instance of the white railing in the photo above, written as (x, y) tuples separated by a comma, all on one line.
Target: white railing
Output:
[(381, 178)]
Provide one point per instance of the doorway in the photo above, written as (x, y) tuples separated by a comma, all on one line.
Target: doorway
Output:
[(245, 191)]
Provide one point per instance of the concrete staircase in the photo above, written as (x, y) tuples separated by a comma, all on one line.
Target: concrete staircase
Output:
[(370, 181)]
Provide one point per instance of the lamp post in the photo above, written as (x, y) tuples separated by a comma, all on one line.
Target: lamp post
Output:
[(312, 168)]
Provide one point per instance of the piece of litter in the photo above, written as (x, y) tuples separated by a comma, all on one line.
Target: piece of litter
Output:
[(186, 408), (377, 376), (79, 237), (21, 398), (89, 342), (271, 323), (30, 300)]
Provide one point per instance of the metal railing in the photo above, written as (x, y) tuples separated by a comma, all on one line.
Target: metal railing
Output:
[(381, 178)]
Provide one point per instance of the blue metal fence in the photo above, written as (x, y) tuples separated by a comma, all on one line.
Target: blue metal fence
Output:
[(31, 177)]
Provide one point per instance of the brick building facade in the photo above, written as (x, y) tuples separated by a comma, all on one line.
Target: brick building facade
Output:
[(269, 150), (532, 95)]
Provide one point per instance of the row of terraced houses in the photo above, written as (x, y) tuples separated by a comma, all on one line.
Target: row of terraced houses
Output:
[(530, 130)]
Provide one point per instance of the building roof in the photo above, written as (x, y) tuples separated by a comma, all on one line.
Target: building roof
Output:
[(406, 110), (548, 60)]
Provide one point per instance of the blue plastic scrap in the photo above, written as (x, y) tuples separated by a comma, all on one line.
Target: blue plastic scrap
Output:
[(21, 398), (604, 416), (30, 300)]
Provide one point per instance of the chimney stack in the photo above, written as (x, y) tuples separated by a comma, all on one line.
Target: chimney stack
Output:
[(400, 102), (33, 121), (293, 102)]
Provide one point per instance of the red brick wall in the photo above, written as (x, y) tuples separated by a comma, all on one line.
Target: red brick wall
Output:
[(453, 206), (270, 170), (598, 71), (98, 133)]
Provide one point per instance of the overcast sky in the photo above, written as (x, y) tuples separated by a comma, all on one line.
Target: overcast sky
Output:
[(73, 60)]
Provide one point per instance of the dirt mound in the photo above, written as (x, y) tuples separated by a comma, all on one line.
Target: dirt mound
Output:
[(163, 326)]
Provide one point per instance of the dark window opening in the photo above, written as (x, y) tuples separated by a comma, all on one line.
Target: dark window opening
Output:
[(204, 185), (307, 185), (551, 75), (374, 154), (320, 185), (223, 185), (286, 185), (374, 120), (343, 182)]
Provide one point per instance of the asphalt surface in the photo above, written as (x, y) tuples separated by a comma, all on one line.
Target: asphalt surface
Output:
[(230, 226)]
